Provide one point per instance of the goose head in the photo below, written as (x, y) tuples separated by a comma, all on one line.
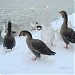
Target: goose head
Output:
[(24, 33), (63, 13)]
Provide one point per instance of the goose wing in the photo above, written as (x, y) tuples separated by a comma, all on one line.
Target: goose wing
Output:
[(69, 34), (40, 47)]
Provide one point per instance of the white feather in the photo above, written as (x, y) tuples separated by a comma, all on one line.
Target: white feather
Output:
[(48, 35), (3, 32)]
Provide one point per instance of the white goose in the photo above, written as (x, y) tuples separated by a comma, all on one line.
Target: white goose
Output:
[(33, 26), (58, 30), (3, 33), (48, 34)]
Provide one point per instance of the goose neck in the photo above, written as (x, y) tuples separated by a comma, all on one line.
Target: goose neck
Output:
[(29, 36), (65, 24)]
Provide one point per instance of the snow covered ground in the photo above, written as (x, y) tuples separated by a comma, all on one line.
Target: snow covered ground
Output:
[(22, 12), (19, 60)]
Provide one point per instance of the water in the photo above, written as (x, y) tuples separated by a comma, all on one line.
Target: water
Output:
[(22, 12)]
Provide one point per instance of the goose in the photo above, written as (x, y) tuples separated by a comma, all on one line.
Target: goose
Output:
[(3, 33), (35, 45), (48, 34), (67, 34), (9, 40)]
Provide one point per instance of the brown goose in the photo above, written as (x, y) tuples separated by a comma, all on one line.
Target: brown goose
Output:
[(36, 45), (9, 40), (67, 34)]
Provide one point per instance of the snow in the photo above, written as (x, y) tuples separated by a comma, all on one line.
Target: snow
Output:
[(19, 60)]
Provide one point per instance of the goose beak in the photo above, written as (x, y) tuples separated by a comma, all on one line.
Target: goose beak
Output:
[(13, 32), (19, 35)]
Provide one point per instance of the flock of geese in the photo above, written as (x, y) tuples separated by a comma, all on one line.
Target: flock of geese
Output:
[(37, 46)]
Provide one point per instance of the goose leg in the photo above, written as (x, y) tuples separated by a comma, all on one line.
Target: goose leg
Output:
[(66, 41), (66, 46), (34, 58), (37, 55)]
